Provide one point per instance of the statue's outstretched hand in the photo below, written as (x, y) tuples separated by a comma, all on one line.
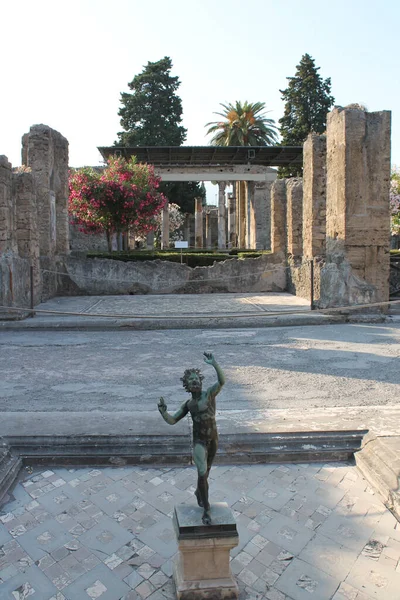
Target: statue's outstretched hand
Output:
[(209, 358), (162, 407)]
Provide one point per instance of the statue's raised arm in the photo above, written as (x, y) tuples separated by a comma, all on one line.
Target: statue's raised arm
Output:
[(210, 360)]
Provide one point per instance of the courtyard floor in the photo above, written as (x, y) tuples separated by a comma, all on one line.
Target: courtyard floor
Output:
[(313, 532)]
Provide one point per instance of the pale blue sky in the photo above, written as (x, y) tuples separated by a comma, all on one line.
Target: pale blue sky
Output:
[(65, 63)]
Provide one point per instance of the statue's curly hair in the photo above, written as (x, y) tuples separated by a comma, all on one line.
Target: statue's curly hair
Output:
[(186, 376)]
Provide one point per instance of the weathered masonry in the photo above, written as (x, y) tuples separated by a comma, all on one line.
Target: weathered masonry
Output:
[(34, 228), (335, 219)]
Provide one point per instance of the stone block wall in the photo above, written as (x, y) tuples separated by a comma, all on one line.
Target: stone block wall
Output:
[(314, 196), (294, 216), (357, 226), (278, 217), (8, 240)]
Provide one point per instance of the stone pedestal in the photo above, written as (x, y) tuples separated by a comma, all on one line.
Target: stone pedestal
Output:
[(202, 569)]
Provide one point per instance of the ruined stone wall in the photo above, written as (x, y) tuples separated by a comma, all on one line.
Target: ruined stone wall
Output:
[(15, 256), (102, 276), (83, 242), (314, 196), (45, 151), (357, 228), (8, 240), (24, 197)]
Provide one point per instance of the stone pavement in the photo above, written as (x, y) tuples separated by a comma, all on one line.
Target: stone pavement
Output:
[(312, 531), (171, 311)]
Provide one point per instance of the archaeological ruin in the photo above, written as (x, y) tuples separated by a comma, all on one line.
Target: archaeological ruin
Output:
[(328, 232)]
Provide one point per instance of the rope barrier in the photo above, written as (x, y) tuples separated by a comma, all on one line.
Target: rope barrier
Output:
[(234, 315)]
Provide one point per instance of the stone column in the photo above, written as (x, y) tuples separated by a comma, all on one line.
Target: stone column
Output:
[(294, 212), (208, 229), (251, 224), (232, 240), (262, 202), (198, 222), (24, 195), (165, 227), (314, 196), (357, 212), (221, 215), (186, 228), (241, 213), (150, 240), (278, 216)]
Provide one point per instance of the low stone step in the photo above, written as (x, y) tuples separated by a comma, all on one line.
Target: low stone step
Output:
[(162, 449), (379, 462), (9, 470)]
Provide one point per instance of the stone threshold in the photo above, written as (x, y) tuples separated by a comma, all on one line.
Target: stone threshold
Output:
[(121, 450)]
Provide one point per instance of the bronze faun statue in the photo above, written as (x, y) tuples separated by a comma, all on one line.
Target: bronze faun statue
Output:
[(205, 436)]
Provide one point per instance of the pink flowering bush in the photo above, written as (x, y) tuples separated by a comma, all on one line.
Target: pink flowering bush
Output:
[(395, 202), (124, 195)]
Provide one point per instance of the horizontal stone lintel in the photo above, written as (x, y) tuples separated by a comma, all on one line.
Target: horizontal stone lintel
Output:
[(217, 176)]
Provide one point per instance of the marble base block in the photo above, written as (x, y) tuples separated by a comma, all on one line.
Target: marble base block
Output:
[(202, 569)]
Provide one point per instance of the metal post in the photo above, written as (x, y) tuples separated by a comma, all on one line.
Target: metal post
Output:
[(32, 314), (312, 284)]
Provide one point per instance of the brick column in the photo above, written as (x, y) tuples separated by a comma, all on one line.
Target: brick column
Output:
[(198, 222), (294, 194), (278, 216), (357, 219), (314, 196)]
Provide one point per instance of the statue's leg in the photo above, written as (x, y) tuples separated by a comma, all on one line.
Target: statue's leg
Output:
[(200, 460)]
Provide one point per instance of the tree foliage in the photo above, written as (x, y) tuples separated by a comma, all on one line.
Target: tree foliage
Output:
[(395, 202), (152, 114), (123, 195), (307, 102), (244, 124)]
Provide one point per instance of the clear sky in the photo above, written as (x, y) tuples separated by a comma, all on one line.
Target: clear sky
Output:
[(65, 63)]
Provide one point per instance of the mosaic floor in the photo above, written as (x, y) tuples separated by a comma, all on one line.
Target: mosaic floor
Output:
[(314, 532)]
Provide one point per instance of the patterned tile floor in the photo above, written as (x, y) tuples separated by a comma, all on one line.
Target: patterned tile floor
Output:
[(314, 532)]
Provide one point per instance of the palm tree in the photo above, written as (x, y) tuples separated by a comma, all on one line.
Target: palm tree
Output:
[(245, 125)]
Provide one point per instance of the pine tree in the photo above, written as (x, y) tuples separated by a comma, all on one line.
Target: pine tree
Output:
[(152, 114), (307, 102)]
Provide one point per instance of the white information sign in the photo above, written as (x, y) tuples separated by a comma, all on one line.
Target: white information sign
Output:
[(181, 245)]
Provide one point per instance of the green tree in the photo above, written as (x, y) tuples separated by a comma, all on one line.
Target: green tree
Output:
[(152, 114), (307, 102), (244, 124)]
